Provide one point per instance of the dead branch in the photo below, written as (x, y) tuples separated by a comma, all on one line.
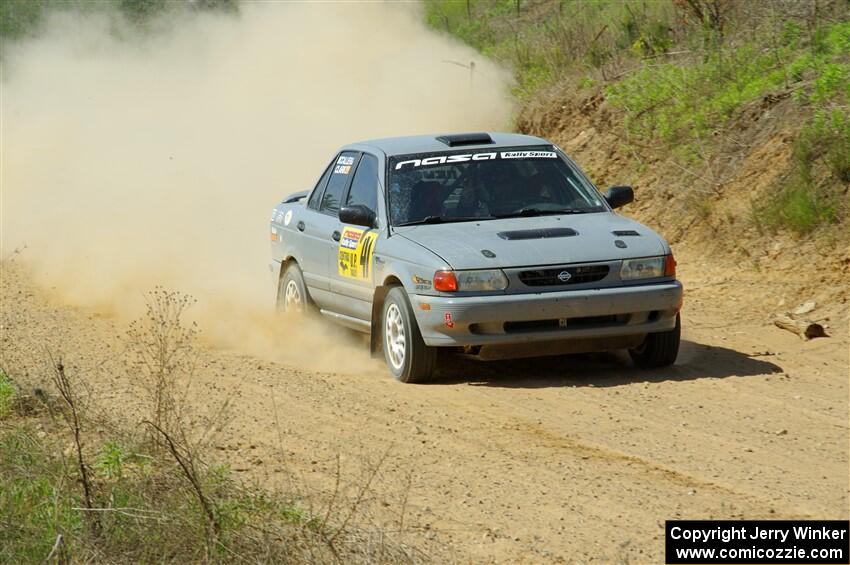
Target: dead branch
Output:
[(806, 329), (408, 486), (363, 490), (63, 385), (188, 467), (599, 34), (335, 493), (140, 513), (56, 545)]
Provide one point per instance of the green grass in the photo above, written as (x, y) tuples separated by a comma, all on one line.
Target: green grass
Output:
[(150, 513), (542, 41), (19, 18), (23, 18), (682, 103), (799, 206), (147, 510), (36, 500), (40, 498), (805, 201), (679, 83), (7, 395)]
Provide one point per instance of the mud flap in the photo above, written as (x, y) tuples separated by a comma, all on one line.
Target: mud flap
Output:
[(377, 310)]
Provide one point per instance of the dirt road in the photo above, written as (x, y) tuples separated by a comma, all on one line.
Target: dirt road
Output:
[(570, 458)]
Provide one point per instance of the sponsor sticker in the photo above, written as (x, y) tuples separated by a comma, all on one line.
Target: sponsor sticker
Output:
[(342, 169), (345, 160), (462, 158), (421, 284), (448, 319), (528, 155), (350, 238), (356, 251)]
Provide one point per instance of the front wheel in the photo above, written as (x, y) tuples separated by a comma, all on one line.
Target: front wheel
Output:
[(407, 356), (658, 349)]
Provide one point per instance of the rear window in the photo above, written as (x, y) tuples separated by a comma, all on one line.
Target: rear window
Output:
[(482, 185)]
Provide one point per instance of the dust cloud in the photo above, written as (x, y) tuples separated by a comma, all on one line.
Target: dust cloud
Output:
[(139, 158)]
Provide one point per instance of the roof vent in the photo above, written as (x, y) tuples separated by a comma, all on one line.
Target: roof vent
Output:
[(458, 139)]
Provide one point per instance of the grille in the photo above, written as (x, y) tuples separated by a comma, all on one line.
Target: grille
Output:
[(550, 276)]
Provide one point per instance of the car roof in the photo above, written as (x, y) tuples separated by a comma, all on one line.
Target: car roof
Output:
[(430, 144)]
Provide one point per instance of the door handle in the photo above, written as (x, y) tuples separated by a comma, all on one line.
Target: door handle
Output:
[(300, 226), (335, 235)]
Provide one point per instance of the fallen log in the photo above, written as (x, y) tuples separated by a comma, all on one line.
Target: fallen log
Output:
[(806, 329)]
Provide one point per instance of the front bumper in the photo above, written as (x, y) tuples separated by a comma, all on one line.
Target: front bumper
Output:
[(548, 316)]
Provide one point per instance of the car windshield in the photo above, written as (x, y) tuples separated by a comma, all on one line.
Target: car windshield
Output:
[(481, 185)]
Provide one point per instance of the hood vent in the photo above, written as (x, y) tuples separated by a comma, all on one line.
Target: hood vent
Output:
[(537, 234), (625, 233)]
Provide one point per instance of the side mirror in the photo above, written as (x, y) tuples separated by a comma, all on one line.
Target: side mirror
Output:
[(358, 215), (619, 196)]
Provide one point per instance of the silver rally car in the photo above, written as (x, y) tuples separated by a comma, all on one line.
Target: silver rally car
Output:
[(496, 245)]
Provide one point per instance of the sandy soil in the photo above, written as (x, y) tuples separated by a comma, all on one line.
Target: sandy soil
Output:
[(573, 458)]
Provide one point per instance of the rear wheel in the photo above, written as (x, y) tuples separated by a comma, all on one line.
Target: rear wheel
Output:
[(291, 292), (658, 349), (407, 356)]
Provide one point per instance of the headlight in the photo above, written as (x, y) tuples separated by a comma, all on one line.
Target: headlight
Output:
[(481, 280), (470, 281), (644, 268)]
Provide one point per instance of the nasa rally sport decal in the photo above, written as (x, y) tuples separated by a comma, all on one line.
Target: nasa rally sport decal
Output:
[(356, 248), (488, 156)]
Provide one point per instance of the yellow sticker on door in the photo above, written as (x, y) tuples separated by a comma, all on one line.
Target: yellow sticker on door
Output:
[(356, 248)]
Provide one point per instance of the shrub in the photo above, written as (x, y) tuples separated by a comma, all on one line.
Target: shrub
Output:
[(803, 201), (147, 511)]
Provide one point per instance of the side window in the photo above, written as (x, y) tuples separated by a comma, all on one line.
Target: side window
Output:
[(364, 185), (317, 192), (341, 172)]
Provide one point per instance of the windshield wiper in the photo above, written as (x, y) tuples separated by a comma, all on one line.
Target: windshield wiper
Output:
[(444, 220), (531, 211)]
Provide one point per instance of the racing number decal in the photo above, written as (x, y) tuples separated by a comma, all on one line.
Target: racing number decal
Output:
[(367, 247), (356, 248)]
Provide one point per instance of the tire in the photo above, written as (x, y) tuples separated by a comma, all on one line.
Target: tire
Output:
[(407, 356), (658, 349), (292, 282)]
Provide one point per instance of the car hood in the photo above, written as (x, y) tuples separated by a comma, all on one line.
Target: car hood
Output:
[(462, 244)]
